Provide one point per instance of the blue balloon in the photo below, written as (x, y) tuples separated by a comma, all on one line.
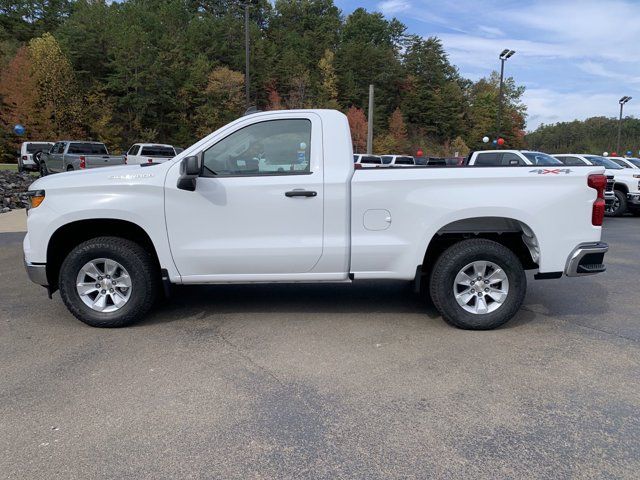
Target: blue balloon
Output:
[(629, 153), (495, 142), (18, 129)]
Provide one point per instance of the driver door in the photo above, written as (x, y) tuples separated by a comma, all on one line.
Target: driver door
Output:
[(257, 210)]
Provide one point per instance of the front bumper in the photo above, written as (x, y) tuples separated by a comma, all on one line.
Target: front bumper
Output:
[(586, 259), (633, 200), (609, 198), (37, 273)]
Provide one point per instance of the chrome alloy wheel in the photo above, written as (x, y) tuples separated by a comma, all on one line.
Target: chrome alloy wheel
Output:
[(614, 206), (481, 287), (104, 285)]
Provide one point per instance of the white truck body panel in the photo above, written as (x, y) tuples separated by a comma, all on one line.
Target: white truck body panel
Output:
[(373, 223)]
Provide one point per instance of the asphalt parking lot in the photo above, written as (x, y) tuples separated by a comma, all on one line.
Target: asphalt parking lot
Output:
[(325, 381)]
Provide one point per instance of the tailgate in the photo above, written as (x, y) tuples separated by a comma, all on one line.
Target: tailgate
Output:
[(97, 161)]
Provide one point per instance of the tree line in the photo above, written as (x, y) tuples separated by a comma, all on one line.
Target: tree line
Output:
[(594, 135), (172, 71)]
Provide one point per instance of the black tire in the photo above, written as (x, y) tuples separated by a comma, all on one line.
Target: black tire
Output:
[(453, 260), (620, 207), (143, 271), (44, 171), (37, 156), (70, 168)]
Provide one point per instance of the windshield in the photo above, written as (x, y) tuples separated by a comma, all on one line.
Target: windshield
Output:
[(38, 147), (538, 158), (158, 151), (87, 149), (635, 161), (387, 159), (604, 162)]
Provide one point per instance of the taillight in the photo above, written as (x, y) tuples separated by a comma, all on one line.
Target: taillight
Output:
[(24, 157), (357, 166), (599, 183), (149, 160), (83, 162), (125, 159)]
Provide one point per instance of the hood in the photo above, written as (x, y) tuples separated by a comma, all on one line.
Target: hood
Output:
[(120, 175)]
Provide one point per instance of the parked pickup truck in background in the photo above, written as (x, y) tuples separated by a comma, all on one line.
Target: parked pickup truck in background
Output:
[(149, 153), (398, 161), (510, 158), (626, 186), (67, 155), (108, 239), (30, 154)]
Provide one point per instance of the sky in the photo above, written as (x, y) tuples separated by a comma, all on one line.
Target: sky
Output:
[(576, 58)]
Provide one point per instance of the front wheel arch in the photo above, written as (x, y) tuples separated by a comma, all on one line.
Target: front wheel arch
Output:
[(68, 236)]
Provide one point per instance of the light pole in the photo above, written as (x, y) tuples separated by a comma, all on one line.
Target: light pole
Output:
[(246, 53), (622, 101), (506, 53)]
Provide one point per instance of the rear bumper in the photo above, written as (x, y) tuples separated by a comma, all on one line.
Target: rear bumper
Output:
[(586, 259), (37, 273)]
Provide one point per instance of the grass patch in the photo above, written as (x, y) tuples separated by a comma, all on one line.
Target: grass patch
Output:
[(9, 166)]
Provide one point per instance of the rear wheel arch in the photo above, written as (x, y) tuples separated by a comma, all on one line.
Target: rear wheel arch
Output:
[(68, 236), (509, 232), (622, 187)]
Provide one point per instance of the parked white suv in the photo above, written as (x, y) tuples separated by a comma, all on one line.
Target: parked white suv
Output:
[(398, 161), (110, 238), (29, 155), (626, 181), (140, 153), (367, 161)]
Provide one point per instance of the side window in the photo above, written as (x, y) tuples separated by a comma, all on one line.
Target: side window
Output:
[(371, 160), (488, 160), (54, 149), (61, 146), (511, 159), (267, 148), (405, 161), (133, 150), (571, 161)]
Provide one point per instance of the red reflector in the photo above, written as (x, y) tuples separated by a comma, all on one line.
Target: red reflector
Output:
[(598, 182), (83, 162), (597, 214)]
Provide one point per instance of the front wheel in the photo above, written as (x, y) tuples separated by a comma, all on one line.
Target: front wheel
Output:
[(44, 171), (619, 205), (478, 284), (108, 282)]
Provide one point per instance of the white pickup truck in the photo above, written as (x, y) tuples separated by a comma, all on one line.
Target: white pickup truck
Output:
[(110, 238)]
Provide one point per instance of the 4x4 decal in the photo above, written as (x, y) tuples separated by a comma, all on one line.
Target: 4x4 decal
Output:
[(553, 171)]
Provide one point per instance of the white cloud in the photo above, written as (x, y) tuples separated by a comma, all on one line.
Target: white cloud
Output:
[(491, 31), (394, 6)]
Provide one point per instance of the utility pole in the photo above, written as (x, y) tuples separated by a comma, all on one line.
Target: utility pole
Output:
[(370, 123), (622, 101), (247, 81), (506, 53)]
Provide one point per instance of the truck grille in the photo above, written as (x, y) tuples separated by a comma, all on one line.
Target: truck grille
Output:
[(610, 182)]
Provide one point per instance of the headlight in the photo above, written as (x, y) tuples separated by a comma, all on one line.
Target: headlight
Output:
[(36, 197)]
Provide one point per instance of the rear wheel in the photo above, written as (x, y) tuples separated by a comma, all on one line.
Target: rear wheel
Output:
[(70, 168), (619, 205), (108, 282), (478, 284)]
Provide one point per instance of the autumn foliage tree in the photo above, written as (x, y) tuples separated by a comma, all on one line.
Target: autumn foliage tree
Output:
[(358, 125)]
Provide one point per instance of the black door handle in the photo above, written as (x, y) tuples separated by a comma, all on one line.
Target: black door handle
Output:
[(301, 193)]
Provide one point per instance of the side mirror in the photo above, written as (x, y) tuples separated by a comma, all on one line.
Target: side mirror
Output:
[(190, 169)]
